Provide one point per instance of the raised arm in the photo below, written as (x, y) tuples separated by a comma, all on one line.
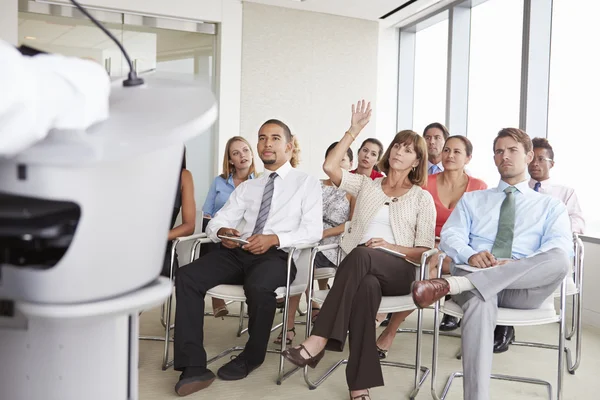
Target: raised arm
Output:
[(361, 115)]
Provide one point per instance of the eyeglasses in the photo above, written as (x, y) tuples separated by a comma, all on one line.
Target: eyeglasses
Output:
[(542, 159)]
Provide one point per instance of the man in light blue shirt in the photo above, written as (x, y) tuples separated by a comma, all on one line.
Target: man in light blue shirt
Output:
[(524, 234)]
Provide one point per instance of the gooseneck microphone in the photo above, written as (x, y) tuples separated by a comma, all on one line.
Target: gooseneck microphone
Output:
[(132, 78)]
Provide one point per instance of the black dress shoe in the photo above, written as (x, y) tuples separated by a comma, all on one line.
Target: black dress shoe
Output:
[(449, 323), (189, 384), (386, 321), (503, 337), (236, 369)]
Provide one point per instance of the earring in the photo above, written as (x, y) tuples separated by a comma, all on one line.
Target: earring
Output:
[(414, 168)]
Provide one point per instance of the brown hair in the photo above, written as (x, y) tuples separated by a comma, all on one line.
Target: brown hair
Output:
[(295, 159), (542, 143), (418, 175), (518, 135), (466, 142), (229, 168), (439, 126)]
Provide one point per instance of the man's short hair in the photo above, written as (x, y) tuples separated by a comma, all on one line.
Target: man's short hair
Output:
[(542, 143), (439, 126), (518, 135), (286, 129)]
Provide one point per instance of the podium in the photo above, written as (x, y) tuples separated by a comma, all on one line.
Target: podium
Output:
[(84, 218)]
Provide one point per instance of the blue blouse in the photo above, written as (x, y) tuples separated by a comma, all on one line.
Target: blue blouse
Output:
[(218, 194)]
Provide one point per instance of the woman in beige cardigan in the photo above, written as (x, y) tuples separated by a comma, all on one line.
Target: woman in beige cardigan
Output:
[(392, 212)]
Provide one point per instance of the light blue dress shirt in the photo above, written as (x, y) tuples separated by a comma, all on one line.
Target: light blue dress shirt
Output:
[(541, 224), (218, 194)]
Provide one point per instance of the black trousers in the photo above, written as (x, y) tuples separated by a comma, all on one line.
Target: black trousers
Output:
[(351, 306), (259, 274)]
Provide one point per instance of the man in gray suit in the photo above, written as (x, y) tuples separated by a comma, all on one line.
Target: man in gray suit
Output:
[(510, 246)]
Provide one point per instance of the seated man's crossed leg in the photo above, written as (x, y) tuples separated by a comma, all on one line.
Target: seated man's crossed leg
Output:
[(519, 284)]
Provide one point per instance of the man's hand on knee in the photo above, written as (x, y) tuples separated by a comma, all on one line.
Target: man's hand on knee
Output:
[(483, 259), (260, 244)]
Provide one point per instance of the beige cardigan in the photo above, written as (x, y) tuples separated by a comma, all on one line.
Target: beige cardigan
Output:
[(412, 217)]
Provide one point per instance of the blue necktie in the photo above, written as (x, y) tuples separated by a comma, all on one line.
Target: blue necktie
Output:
[(537, 186), (434, 169)]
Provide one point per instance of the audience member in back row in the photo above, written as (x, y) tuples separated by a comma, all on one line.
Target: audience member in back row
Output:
[(279, 210), (368, 156), (184, 202), (435, 135), (525, 234), (338, 207), (392, 212), (446, 188), (539, 170), (238, 167)]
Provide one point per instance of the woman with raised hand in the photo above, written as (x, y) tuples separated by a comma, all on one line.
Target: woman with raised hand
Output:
[(394, 213)]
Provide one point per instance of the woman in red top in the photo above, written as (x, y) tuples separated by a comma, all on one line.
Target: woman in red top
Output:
[(446, 188), (368, 155)]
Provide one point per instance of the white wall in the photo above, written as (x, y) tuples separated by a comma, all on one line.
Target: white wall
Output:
[(306, 69), (591, 277), (9, 21)]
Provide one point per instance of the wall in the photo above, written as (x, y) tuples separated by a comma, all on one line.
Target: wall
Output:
[(591, 276), (306, 69), (8, 21)]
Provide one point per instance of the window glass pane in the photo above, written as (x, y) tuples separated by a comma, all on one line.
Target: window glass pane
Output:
[(574, 101), (431, 64), (494, 79), (176, 52)]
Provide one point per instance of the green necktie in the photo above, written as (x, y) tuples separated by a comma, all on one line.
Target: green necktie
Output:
[(506, 226)]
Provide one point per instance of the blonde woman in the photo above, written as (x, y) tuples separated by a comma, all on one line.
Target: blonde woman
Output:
[(238, 166)]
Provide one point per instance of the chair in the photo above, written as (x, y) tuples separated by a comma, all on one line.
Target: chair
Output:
[(546, 314), (575, 289), (165, 316), (389, 304), (297, 287)]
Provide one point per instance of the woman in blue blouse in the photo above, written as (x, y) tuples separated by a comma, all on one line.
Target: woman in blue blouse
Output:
[(238, 166)]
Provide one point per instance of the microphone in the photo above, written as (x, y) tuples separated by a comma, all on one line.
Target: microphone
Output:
[(132, 78)]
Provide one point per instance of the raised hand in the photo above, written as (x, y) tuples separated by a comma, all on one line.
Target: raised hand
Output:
[(361, 115)]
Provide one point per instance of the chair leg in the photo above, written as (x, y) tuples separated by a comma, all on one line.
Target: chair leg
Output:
[(166, 364), (241, 320), (572, 366), (434, 356), (561, 342)]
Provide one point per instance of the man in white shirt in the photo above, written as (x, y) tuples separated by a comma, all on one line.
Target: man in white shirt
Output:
[(539, 170), (280, 209), (435, 134)]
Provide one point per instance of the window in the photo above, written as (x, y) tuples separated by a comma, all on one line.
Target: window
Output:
[(494, 79), (166, 49), (573, 107), (431, 64)]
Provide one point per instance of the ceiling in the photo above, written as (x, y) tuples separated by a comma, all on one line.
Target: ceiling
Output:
[(363, 9)]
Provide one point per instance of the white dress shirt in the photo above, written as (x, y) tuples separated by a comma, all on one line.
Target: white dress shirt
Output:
[(295, 216), (45, 92), (568, 197), (437, 168), (541, 224)]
